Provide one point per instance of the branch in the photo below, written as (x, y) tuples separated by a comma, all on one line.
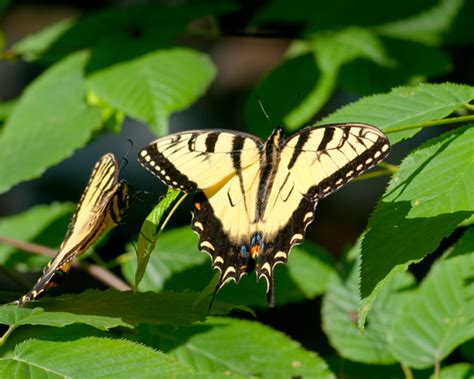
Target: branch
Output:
[(95, 271)]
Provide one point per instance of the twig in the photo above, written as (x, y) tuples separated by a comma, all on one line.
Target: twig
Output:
[(7, 334), (95, 271), (444, 121), (436, 370), (407, 371)]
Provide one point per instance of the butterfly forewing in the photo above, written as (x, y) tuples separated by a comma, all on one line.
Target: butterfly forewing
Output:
[(101, 207), (198, 160), (313, 163)]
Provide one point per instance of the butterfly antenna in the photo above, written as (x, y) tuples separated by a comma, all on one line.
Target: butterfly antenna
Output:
[(260, 103), (124, 160)]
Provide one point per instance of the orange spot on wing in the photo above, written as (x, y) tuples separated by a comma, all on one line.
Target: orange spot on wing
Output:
[(254, 250), (197, 206)]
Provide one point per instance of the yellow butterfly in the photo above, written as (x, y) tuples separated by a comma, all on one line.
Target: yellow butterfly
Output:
[(256, 198), (100, 208)]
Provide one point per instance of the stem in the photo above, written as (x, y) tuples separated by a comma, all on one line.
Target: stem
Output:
[(406, 371), (390, 167), (469, 107), (436, 370), (444, 121), (99, 273), (373, 174), (5, 336)]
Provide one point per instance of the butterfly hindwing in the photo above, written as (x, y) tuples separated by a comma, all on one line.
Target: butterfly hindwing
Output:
[(101, 207)]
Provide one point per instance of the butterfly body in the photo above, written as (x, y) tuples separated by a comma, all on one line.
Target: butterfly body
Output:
[(254, 199), (100, 208)]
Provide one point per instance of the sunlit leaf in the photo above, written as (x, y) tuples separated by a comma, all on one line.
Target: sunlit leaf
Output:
[(53, 113), (445, 300), (236, 347)]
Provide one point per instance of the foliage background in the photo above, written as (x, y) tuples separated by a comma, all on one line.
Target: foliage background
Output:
[(80, 78)]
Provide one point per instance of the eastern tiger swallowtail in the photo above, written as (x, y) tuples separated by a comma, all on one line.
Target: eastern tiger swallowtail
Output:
[(101, 207), (256, 198)]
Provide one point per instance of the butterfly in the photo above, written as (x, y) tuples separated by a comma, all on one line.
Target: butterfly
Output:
[(101, 207), (254, 199)]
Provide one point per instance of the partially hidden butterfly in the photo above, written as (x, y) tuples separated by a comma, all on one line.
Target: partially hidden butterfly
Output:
[(254, 198), (100, 208)]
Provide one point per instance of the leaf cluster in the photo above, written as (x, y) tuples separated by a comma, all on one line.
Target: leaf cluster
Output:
[(142, 62)]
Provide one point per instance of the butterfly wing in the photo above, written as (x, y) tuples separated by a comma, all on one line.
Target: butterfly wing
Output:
[(101, 206), (222, 167), (313, 163)]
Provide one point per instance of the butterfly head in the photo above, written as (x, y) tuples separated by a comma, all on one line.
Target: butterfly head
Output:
[(277, 137)]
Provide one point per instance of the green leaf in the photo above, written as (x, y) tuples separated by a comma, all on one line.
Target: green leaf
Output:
[(339, 313), (33, 46), (349, 369), (177, 265), (309, 79), (461, 31), (465, 244), (120, 24), (394, 241), (29, 224), (332, 51), (421, 206), (446, 300), (6, 109), (151, 87), (412, 62), (151, 229), (163, 308), (283, 90), (53, 114), (90, 357), (422, 179), (405, 106), (13, 316), (211, 347), (337, 14), (456, 371), (426, 27)]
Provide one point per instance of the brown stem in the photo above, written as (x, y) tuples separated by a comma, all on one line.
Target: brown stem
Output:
[(95, 271)]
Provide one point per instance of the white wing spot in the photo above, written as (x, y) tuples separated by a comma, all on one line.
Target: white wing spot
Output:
[(296, 237), (143, 153), (308, 216), (163, 172), (280, 254), (339, 181), (266, 267), (369, 161), (167, 177), (152, 163), (229, 270), (218, 260), (198, 225), (175, 183), (377, 154), (359, 167), (385, 148), (349, 173), (208, 245)]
